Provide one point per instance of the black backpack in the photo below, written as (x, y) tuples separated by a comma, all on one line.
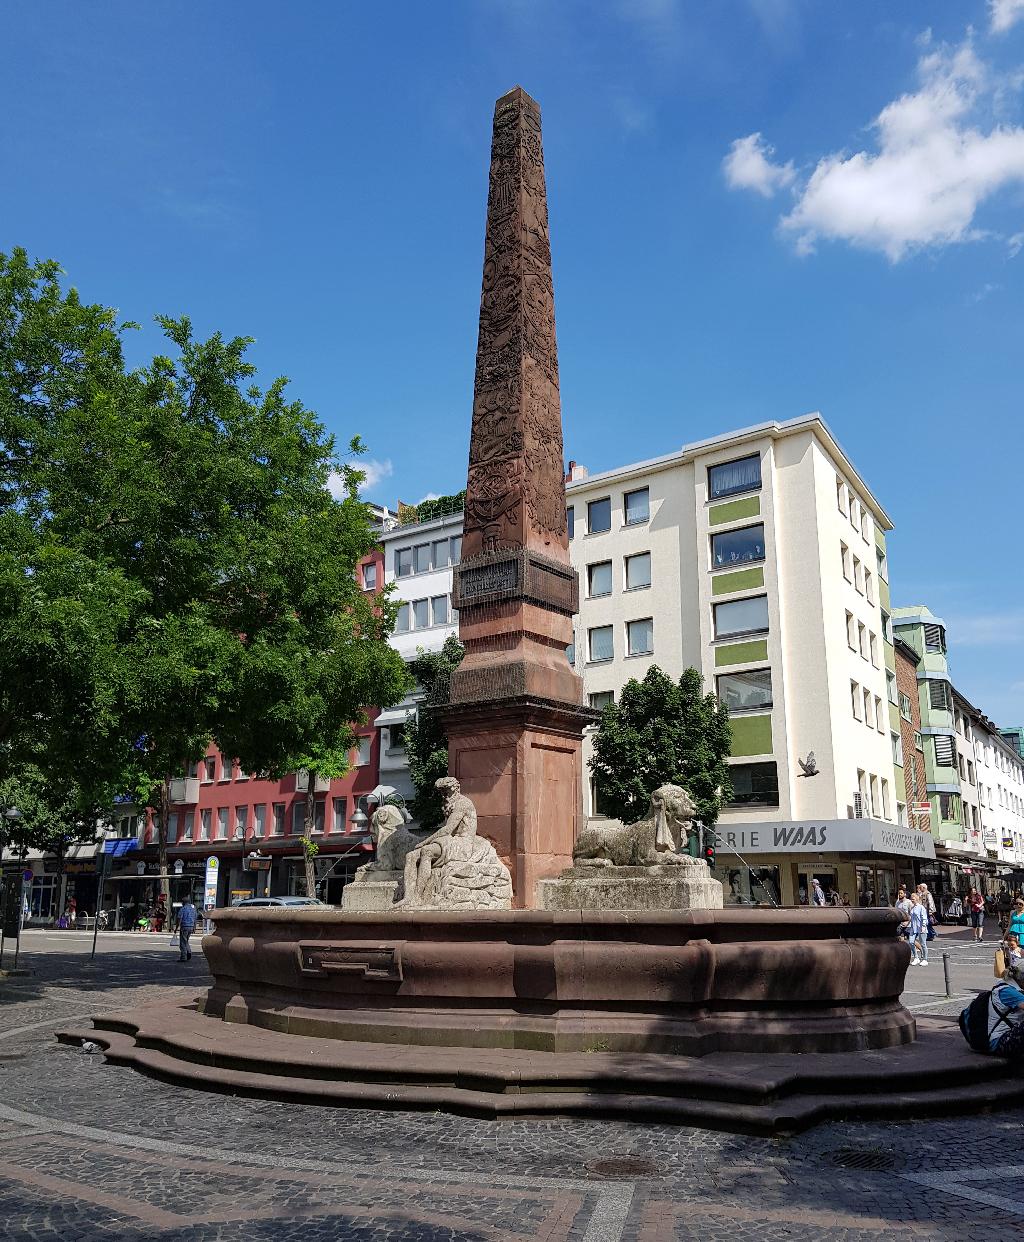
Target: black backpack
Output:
[(974, 1021)]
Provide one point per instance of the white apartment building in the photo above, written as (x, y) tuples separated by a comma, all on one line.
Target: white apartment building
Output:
[(757, 557), (418, 560), (1000, 792)]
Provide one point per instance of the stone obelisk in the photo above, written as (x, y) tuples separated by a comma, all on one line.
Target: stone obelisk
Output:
[(516, 718)]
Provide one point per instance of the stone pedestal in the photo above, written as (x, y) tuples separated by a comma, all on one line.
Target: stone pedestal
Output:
[(375, 894), (520, 761), (684, 886)]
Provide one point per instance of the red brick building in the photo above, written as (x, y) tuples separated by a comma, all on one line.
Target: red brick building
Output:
[(907, 661)]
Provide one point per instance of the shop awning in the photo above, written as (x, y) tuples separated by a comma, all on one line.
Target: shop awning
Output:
[(395, 715)]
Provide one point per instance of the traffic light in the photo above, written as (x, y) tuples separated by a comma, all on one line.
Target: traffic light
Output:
[(709, 849)]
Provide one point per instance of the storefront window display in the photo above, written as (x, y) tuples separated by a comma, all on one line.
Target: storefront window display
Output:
[(43, 898), (751, 886), (826, 877), (876, 884)]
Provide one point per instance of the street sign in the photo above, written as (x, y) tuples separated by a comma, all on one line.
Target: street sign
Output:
[(921, 808), (27, 876), (210, 886)]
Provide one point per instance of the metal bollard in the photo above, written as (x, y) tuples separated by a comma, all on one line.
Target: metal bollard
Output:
[(945, 971)]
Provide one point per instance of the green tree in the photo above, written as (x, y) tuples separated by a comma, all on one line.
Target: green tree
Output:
[(178, 553), (663, 732), (426, 745)]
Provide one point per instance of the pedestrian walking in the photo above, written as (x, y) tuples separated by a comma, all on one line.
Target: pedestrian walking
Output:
[(918, 931), (1016, 924), (976, 909), (904, 905), (186, 926), (817, 893)]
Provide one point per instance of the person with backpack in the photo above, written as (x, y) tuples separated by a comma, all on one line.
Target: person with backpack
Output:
[(917, 933), (994, 1021), (187, 917)]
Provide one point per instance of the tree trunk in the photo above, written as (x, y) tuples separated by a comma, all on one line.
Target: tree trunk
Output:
[(163, 817), (307, 835)]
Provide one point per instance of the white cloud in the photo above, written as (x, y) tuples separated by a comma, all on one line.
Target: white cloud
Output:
[(1004, 14), (988, 629), (429, 496), (979, 295), (749, 166), (933, 168), (1015, 244), (374, 470)]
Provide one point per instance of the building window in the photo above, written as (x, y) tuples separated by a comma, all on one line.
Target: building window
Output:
[(858, 576), (754, 784), (868, 714), (935, 638), (886, 804), (172, 827), (421, 558), (402, 619), (880, 721), (298, 818), (918, 740), (638, 571), (339, 812), (897, 749), (845, 553), (403, 562), (259, 825), (862, 643), (455, 544), (938, 695), (439, 554), (241, 820), (278, 821), (602, 644), (945, 750), (731, 477), (599, 516), (949, 807), (570, 653), (597, 807), (362, 749), (601, 698), (570, 521), (869, 587), (855, 512), (873, 646), (841, 497), (855, 700), (890, 686), (851, 632), (738, 547), (396, 737), (319, 814), (439, 610), (189, 826), (370, 576), (741, 616), (970, 772), (640, 636), (222, 823), (960, 767), (905, 707), (204, 825), (637, 506), (599, 579), (209, 769), (883, 565), (886, 627), (744, 692), (865, 524), (420, 614)]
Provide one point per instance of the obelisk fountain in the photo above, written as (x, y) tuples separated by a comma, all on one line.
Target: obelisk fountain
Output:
[(516, 719)]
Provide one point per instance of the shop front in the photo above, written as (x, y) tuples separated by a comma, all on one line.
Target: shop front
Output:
[(857, 862)]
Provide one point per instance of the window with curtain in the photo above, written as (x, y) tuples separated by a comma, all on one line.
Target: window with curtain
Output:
[(420, 614), (736, 547), (403, 562), (730, 477), (370, 576), (298, 817), (339, 816), (402, 619), (259, 826), (599, 579), (602, 643), (638, 571), (601, 698), (278, 819), (742, 616), (421, 557), (640, 636), (637, 506)]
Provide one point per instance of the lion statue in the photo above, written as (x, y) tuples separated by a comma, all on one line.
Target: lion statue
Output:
[(391, 838), (651, 842)]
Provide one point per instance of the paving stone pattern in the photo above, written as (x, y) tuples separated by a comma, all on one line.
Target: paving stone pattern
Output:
[(89, 1150)]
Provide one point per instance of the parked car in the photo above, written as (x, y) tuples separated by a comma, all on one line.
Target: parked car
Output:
[(291, 902)]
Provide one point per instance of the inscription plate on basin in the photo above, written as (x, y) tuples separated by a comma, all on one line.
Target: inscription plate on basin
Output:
[(322, 960)]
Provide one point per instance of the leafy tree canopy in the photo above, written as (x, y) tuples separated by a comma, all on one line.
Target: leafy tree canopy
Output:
[(52, 816), (177, 554), (426, 746), (663, 732)]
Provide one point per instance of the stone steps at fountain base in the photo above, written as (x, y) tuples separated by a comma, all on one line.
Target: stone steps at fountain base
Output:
[(771, 1094)]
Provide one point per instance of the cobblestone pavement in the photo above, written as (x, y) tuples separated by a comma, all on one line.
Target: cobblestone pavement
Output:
[(93, 1151)]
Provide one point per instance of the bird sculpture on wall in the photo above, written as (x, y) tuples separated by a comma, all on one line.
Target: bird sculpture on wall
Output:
[(809, 765)]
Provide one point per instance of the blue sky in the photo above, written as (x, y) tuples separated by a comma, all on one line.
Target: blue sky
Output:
[(758, 208)]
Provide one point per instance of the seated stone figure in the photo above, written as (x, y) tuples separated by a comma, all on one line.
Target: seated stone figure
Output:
[(454, 868), (651, 842), (392, 841)]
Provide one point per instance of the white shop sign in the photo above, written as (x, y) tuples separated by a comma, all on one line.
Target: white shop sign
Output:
[(825, 836), (210, 886)]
